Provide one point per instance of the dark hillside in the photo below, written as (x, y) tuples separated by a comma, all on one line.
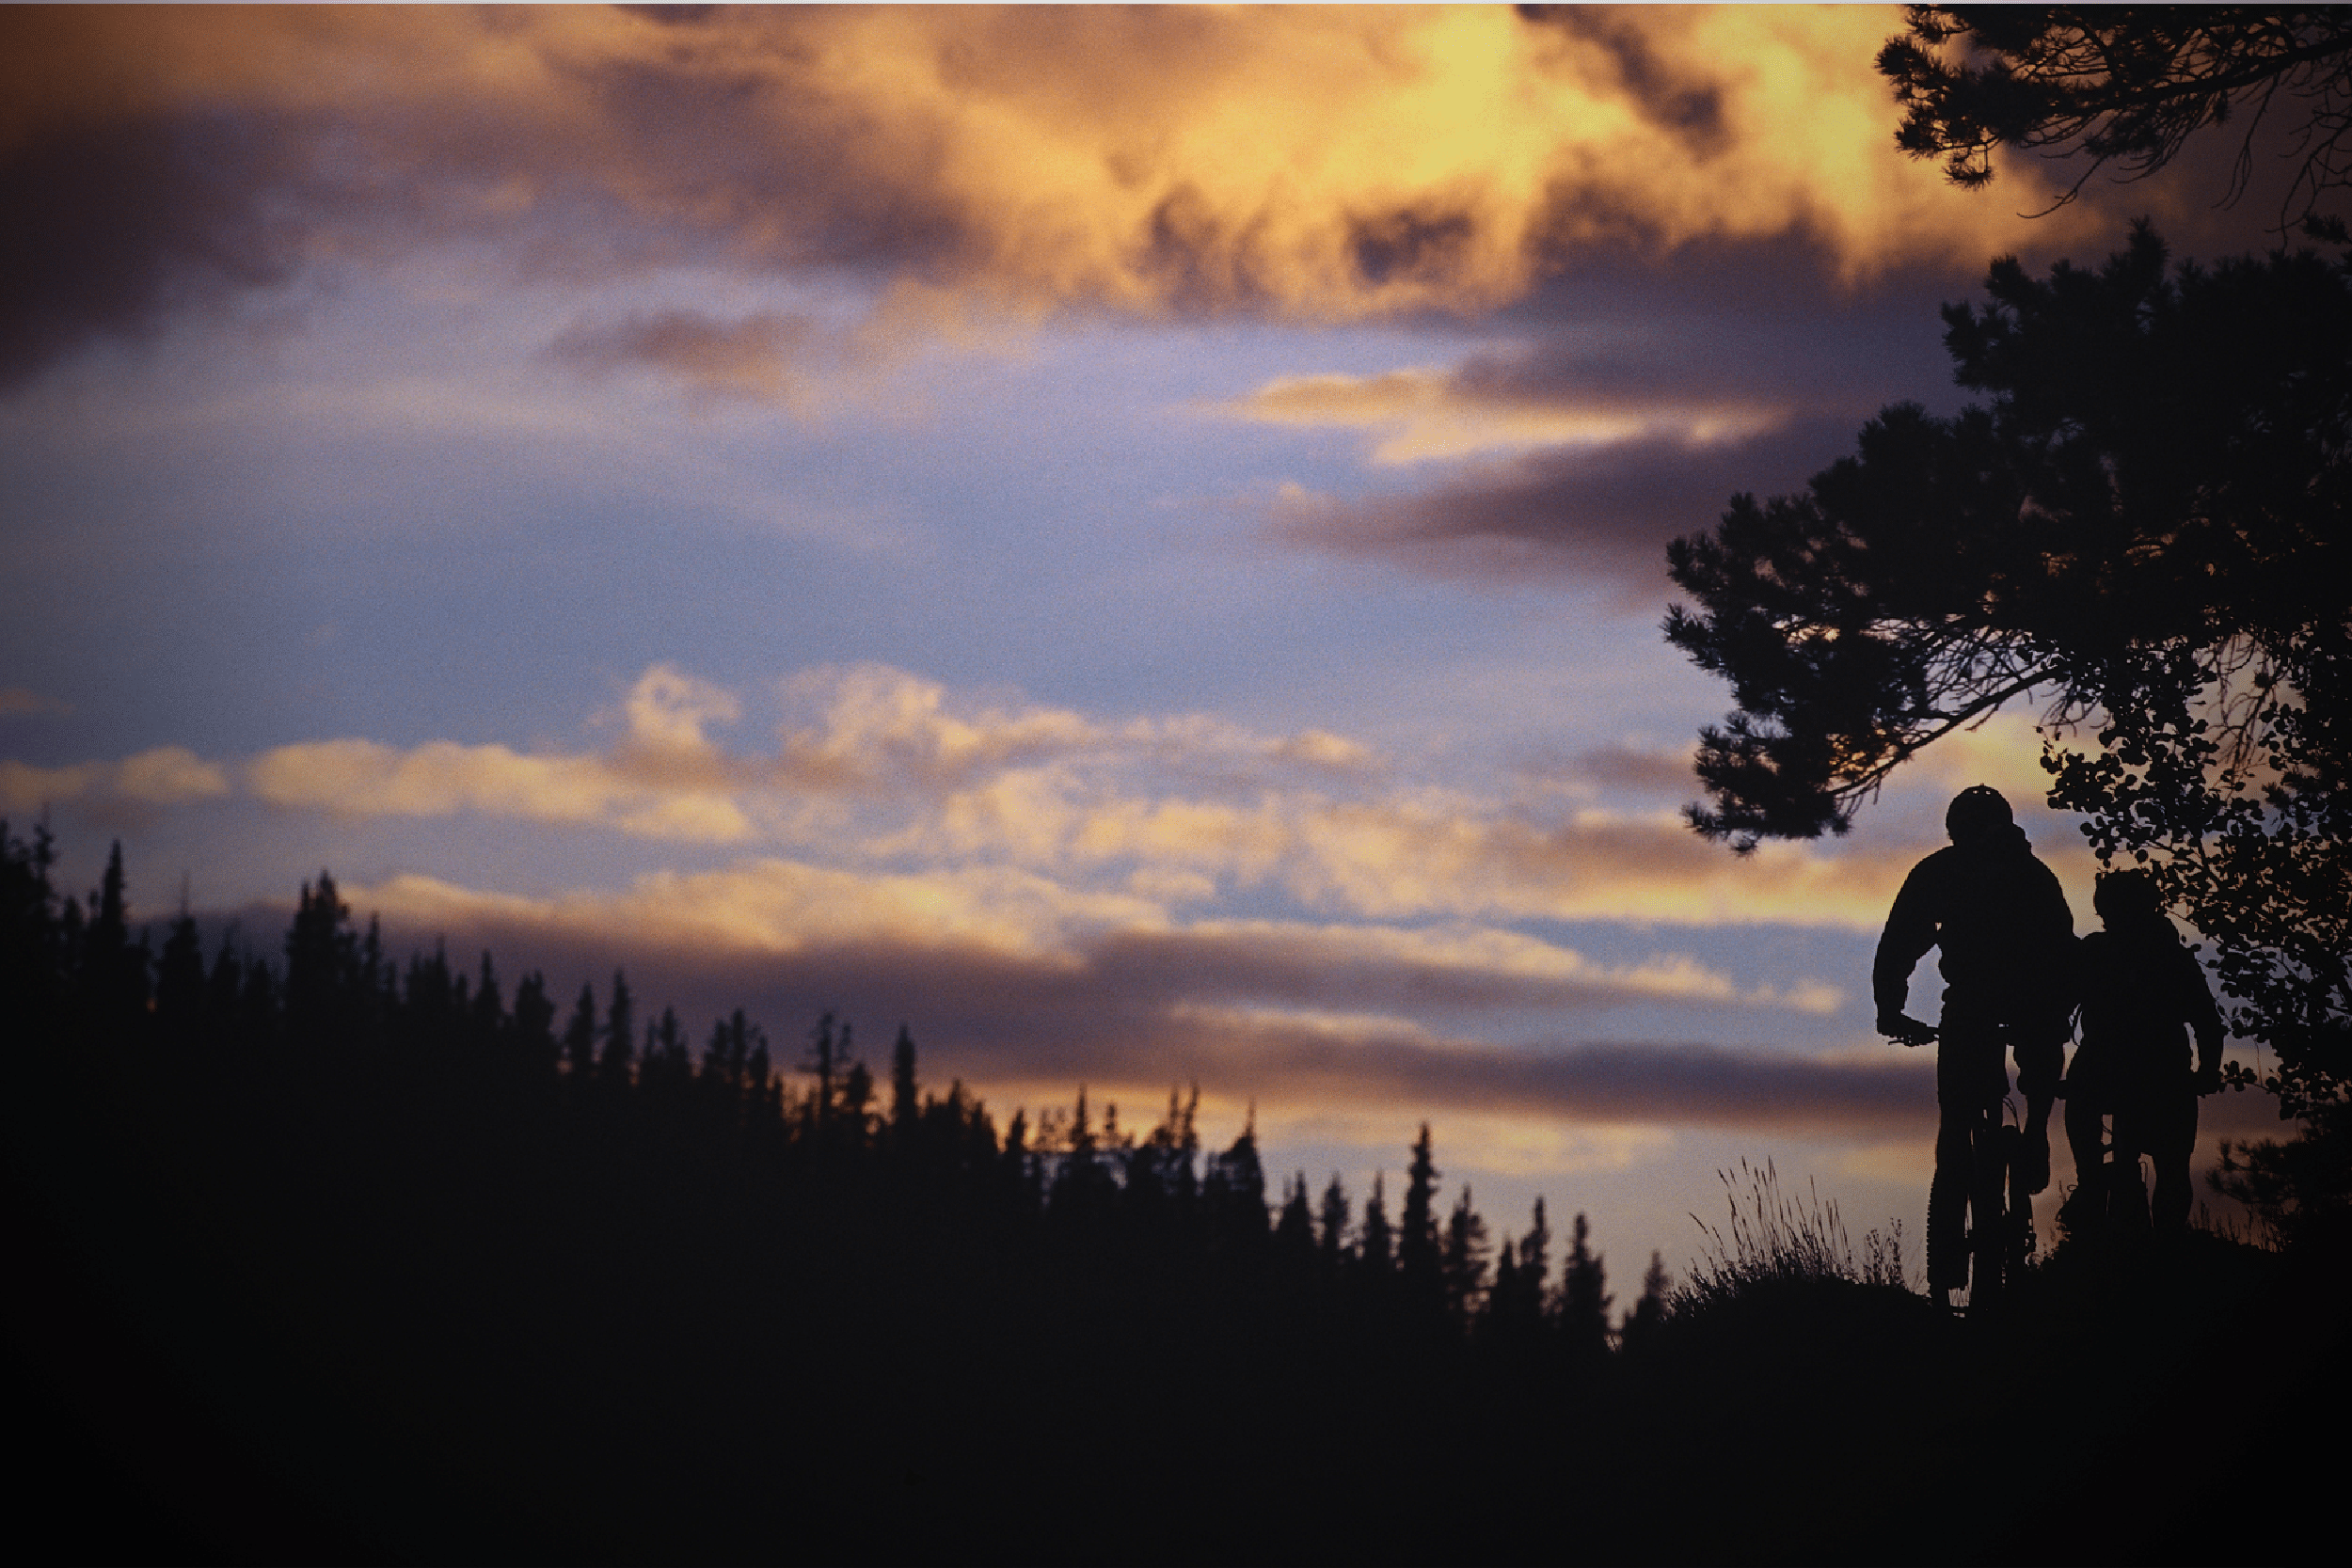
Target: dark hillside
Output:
[(334, 1258)]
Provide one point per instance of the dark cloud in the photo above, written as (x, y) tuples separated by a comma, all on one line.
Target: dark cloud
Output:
[(1647, 772), (1128, 1023), (1130, 1020), (750, 357), (1689, 106), (1763, 324), (1601, 513), (112, 228), (1766, 322)]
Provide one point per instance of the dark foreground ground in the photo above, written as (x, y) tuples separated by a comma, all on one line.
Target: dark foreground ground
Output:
[(253, 1323)]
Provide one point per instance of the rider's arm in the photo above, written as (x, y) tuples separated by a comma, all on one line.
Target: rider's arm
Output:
[(1910, 932), (2057, 978), (2204, 1018)]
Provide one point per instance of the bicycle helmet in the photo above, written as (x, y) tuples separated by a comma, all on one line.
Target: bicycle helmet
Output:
[(2127, 895), (1979, 810)]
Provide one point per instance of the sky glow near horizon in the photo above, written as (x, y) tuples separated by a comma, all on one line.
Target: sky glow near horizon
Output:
[(1130, 541)]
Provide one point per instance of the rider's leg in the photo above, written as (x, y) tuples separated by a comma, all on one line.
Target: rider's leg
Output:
[(1947, 1199), (2041, 1057), (1970, 1079), (2127, 1190), (2086, 1135), (2084, 1212), (2172, 1139)]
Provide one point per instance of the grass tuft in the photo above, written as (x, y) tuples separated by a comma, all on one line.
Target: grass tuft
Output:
[(1777, 1239)]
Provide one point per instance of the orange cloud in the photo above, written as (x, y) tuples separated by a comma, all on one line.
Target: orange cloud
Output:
[(1170, 810), (1423, 414), (18, 698), (362, 778), (1319, 163), (166, 775)]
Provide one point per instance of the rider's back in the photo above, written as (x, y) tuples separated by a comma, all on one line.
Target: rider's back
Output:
[(1998, 916), (2143, 992)]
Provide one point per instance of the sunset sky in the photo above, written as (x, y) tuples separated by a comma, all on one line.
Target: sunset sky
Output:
[(1130, 542)]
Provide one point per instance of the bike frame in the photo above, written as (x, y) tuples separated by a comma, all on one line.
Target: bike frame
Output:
[(1998, 1220)]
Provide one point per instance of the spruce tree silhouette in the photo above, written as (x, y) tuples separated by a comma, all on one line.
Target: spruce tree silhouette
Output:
[(115, 967), (1294, 1227), (535, 1027), (579, 1039), (488, 1018), (613, 1067), (1515, 1315), (1646, 1322), (1233, 1192), (1332, 1229), (1463, 1263), (1419, 1249), (905, 1105), (180, 985), (322, 955), (1583, 1299), (1375, 1252)]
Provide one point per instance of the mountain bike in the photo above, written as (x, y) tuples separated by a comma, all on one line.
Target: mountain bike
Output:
[(1996, 1223)]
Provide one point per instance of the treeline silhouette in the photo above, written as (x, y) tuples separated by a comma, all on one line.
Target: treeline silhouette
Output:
[(327, 1255)]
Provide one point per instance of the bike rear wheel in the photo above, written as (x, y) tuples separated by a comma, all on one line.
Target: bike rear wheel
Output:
[(1995, 1147)]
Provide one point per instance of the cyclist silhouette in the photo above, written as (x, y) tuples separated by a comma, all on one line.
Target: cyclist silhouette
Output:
[(2141, 993), (2006, 941)]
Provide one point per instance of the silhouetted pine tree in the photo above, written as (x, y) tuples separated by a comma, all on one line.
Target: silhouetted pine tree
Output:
[(825, 1055), (1583, 1298), (1233, 1192), (906, 1108), (431, 1004), (223, 995), (1515, 1310), (620, 1034), (1536, 1256), (1462, 1265), (487, 1014), (322, 952), (1331, 1233), (114, 968), (1419, 1255), (1295, 1231), (579, 1038), (1639, 1333), (664, 1076), (1376, 1253), (180, 985), (534, 1037), (855, 1118)]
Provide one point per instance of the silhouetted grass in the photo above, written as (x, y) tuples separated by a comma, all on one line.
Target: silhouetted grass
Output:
[(1777, 1239)]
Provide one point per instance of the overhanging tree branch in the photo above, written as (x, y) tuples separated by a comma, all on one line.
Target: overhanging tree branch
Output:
[(2147, 520), (2124, 83)]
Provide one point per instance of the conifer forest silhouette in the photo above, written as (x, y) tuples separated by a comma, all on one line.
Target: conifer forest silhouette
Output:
[(330, 1255)]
